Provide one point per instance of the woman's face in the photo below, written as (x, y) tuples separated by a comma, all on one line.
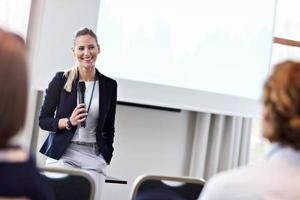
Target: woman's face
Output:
[(85, 51)]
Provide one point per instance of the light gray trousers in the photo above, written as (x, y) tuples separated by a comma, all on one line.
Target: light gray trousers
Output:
[(84, 158)]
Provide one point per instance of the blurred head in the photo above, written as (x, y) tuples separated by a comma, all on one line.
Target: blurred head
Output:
[(282, 105), (13, 81), (85, 48)]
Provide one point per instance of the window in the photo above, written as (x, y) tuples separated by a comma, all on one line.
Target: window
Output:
[(287, 20), (287, 31), (14, 15)]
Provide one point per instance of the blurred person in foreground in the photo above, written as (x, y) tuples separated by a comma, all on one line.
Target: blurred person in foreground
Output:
[(19, 176), (278, 176)]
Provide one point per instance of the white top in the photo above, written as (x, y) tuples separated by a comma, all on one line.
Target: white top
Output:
[(276, 178), (88, 134)]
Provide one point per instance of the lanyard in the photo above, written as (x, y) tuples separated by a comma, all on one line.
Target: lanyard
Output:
[(91, 98)]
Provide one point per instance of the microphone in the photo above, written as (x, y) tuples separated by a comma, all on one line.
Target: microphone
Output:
[(81, 92)]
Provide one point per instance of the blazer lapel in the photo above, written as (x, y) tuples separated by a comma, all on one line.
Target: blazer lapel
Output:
[(73, 95), (71, 102), (102, 98), (68, 100)]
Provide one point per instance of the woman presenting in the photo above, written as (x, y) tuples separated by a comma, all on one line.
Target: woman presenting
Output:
[(80, 134)]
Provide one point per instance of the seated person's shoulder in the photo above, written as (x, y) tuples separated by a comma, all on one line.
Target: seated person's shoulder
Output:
[(13, 155), (226, 184)]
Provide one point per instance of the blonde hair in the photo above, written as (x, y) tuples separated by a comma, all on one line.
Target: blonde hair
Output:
[(71, 74)]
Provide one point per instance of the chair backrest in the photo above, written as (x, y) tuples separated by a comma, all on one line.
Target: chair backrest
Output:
[(69, 183), (157, 187)]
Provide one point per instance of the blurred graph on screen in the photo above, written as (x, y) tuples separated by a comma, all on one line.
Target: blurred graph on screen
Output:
[(210, 45)]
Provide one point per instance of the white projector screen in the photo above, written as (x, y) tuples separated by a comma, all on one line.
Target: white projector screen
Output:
[(210, 46)]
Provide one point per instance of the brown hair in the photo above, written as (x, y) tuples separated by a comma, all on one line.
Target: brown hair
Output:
[(14, 88), (72, 73), (282, 104)]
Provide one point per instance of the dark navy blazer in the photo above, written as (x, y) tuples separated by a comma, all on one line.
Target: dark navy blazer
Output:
[(60, 104)]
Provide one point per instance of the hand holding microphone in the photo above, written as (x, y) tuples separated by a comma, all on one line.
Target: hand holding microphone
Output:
[(79, 114)]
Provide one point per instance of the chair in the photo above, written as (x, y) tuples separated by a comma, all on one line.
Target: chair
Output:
[(155, 187), (13, 198), (69, 183)]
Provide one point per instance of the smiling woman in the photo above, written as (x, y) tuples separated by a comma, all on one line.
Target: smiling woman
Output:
[(80, 135), (85, 51)]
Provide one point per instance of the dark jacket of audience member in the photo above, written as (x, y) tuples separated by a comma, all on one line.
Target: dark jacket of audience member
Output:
[(19, 176)]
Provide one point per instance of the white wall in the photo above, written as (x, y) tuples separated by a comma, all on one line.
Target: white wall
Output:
[(149, 141)]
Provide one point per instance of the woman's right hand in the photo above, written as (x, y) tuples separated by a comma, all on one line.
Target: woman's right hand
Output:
[(78, 115)]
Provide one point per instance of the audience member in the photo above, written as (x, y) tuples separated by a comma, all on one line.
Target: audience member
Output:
[(18, 172), (277, 177)]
